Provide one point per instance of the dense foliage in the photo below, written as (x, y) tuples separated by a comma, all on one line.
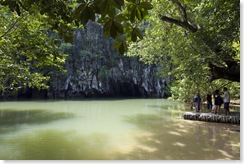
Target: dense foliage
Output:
[(28, 51), (119, 17), (196, 42)]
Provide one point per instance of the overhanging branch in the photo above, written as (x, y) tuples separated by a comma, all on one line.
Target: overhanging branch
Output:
[(183, 24), (10, 28), (13, 26), (182, 11)]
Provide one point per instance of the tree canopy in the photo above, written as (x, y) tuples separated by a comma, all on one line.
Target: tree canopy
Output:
[(197, 42), (119, 17), (28, 51)]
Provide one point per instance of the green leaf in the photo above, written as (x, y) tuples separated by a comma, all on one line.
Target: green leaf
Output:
[(119, 27), (78, 10), (106, 27), (186, 1), (133, 14), (128, 27), (120, 17), (121, 49), (101, 20), (133, 36), (120, 46), (104, 6), (117, 44), (144, 14), (77, 23), (83, 16), (146, 5), (138, 14), (113, 30), (91, 13), (119, 2), (137, 31), (112, 11)]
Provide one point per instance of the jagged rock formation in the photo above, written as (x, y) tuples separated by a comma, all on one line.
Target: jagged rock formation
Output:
[(95, 69)]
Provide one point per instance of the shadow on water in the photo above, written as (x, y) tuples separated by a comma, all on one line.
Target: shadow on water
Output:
[(11, 117), (172, 140), (56, 145)]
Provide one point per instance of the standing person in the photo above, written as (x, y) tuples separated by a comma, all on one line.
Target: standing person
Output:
[(209, 101), (217, 102), (213, 105), (226, 98), (197, 101)]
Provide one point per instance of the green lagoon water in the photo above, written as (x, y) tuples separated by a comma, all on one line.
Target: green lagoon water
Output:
[(125, 129)]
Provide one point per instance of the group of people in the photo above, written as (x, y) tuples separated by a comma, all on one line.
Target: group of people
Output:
[(214, 101)]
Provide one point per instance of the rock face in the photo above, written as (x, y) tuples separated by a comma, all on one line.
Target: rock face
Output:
[(95, 69)]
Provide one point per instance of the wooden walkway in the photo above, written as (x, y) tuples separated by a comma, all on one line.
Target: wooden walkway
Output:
[(233, 118)]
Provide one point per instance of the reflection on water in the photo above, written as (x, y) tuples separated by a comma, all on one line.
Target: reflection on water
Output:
[(11, 116), (55, 144), (113, 129)]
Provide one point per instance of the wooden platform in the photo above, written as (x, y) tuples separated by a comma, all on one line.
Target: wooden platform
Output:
[(233, 118)]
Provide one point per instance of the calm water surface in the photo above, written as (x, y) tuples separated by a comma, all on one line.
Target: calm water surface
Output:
[(134, 129)]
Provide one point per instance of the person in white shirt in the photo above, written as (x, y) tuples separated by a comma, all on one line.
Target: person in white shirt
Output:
[(226, 98)]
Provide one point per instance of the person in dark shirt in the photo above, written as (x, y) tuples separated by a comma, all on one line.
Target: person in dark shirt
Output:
[(197, 101), (209, 101), (217, 102)]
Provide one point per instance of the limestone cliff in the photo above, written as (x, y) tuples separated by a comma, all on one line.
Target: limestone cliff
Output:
[(95, 69)]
